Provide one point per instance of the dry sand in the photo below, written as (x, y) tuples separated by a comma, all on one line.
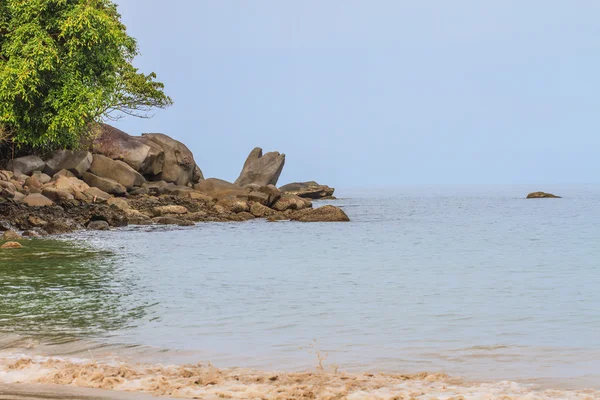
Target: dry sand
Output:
[(66, 378)]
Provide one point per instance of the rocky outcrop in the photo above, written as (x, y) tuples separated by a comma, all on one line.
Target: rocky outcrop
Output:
[(146, 157), (291, 202), (26, 165), (261, 169), (105, 184), (309, 190), (218, 188), (542, 195), (179, 166), (76, 162), (321, 214), (116, 170)]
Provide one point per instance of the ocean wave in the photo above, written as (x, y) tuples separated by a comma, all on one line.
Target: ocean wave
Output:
[(208, 382)]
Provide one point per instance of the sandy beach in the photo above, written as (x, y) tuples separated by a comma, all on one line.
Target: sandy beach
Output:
[(27, 378)]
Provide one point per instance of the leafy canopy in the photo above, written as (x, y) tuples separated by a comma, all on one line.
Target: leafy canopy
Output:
[(64, 65)]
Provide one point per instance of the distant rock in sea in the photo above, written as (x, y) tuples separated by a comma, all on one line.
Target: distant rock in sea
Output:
[(542, 195)]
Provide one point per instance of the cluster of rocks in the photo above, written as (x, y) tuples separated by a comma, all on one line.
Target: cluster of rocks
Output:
[(150, 179), (542, 195)]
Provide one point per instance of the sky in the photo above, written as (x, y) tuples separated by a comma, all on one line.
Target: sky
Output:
[(379, 92)]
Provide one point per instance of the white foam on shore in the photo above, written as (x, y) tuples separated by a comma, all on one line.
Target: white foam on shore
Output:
[(209, 382)]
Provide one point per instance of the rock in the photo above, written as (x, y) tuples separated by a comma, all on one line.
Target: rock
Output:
[(5, 226), (56, 195), (234, 206), (218, 188), (179, 166), (32, 182), (138, 191), (63, 172), (322, 214), (119, 203), (70, 185), (146, 157), (199, 196), (261, 170), (242, 216), (118, 171), (19, 196), (37, 200), (41, 177), (36, 221), (6, 175), (272, 191), (26, 165), (96, 195), (291, 202), (11, 235), (137, 218), (310, 190), (7, 189), (11, 245), (259, 197), (542, 195), (173, 209), (261, 211), (31, 234), (171, 221), (104, 184), (75, 161), (98, 226)]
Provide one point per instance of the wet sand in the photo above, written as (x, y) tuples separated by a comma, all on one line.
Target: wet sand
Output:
[(27, 378)]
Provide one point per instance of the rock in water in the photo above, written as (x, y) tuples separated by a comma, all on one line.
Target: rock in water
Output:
[(76, 162), (261, 169), (11, 245), (11, 235), (309, 190), (118, 171), (179, 166), (542, 195), (98, 226), (321, 214), (26, 165), (146, 157)]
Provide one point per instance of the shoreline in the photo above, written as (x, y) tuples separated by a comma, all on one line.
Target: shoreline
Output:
[(57, 378)]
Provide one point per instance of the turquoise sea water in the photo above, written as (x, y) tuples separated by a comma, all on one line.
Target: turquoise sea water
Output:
[(474, 281)]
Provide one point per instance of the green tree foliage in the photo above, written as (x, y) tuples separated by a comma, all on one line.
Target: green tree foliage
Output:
[(65, 65)]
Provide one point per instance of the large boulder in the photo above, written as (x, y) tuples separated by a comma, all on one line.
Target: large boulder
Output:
[(321, 214), (309, 190), (26, 165), (261, 169), (179, 166), (70, 185), (146, 157), (218, 188), (116, 170), (542, 195), (104, 184), (76, 162)]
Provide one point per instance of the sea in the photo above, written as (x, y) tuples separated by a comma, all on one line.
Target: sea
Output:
[(472, 281)]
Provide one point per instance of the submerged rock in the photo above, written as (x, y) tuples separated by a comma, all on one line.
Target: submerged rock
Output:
[(542, 195), (11, 245)]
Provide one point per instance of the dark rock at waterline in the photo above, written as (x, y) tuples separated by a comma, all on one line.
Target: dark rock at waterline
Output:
[(98, 226), (26, 165), (261, 169), (309, 190), (179, 166), (322, 214), (76, 162), (542, 195)]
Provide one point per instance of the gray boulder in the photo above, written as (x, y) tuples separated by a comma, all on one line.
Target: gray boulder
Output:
[(309, 190), (26, 165), (76, 162), (104, 184), (116, 170), (98, 226), (179, 166), (145, 157), (261, 169)]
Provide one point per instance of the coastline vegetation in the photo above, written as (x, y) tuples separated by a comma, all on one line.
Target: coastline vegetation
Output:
[(64, 66)]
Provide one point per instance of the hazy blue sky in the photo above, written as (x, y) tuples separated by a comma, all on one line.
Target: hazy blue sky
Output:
[(368, 92)]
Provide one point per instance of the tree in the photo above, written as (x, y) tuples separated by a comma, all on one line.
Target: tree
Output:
[(64, 66)]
